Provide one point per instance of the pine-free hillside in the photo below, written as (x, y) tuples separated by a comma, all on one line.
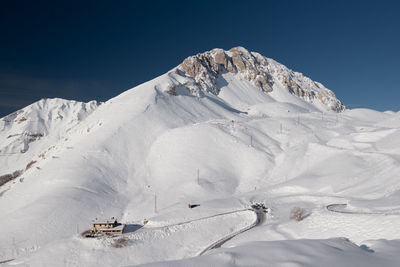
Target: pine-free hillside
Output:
[(271, 159)]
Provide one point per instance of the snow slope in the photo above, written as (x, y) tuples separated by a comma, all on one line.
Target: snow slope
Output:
[(327, 252), (149, 152), (28, 133)]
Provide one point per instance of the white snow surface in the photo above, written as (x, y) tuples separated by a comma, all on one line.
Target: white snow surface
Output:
[(36, 128), (147, 154)]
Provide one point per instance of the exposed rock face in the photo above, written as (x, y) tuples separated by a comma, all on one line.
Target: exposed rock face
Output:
[(205, 68)]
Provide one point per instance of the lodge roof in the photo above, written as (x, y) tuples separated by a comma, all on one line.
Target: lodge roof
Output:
[(111, 220), (116, 228)]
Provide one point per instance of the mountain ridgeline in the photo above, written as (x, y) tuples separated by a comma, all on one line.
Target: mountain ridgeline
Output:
[(205, 69)]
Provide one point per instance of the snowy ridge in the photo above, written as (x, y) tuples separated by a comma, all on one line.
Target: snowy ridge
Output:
[(28, 133), (264, 73)]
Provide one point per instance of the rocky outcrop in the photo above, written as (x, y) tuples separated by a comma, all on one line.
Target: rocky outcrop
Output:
[(204, 69)]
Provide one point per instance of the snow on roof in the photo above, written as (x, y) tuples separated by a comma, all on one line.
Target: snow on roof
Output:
[(116, 228), (104, 220)]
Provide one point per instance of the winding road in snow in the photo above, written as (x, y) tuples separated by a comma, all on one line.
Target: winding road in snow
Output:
[(260, 215), (259, 218), (339, 208), (202, 218)]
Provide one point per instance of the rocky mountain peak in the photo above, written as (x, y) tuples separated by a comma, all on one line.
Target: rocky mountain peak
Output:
[(205, 68)]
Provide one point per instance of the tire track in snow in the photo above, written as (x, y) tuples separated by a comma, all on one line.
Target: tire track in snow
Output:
[(338, 208), (259, 219), (195, 220), (150, 229)]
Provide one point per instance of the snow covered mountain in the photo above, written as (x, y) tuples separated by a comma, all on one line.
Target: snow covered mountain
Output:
[(224, 129), (207, 72), (256, 79), (30, 133)]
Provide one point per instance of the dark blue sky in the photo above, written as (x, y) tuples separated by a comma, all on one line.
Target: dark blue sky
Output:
[(98, 49)]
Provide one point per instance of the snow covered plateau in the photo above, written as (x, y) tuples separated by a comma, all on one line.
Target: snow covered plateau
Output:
[(224, 130)]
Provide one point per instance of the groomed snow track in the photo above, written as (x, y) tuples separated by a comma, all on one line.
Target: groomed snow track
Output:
[(203, 218), (220, 242), (259, 219), (339, 208)]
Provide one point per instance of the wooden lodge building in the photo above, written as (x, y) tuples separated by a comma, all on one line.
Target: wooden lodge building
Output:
[(107, 226)]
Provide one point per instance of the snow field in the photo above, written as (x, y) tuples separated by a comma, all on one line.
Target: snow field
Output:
[(146, 154)]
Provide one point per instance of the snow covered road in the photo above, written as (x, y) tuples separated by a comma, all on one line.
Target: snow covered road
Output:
[(341, 208), (219, 243), (149, 244)]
